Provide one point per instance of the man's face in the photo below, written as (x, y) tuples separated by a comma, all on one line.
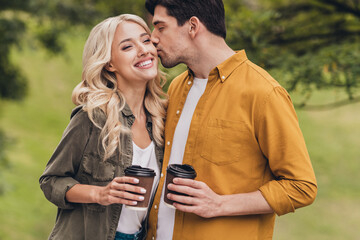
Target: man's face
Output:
[(169, 38)]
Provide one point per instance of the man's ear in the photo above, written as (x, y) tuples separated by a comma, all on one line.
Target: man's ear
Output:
[(194, 26)]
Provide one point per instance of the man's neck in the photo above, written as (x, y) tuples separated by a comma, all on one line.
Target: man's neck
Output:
[(211, 51)]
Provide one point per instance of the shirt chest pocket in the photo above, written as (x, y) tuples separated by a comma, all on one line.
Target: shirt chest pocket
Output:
[(98, 172), (224, 141)]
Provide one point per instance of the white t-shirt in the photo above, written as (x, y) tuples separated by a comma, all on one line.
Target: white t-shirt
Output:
[(130, 220), (166, 215)]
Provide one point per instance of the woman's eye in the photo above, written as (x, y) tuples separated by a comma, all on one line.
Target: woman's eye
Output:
[(125, 47), (147, 40)]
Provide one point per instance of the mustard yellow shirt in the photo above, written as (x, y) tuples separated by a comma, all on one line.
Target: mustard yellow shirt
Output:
[(244, 136)]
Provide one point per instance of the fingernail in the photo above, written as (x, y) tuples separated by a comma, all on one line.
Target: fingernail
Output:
[(134, 202), (136, 180), (143, 190), (141, 198)]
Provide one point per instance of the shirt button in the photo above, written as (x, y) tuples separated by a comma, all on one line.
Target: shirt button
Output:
[(189, 82), (177, 112), (155, 206), (153, 238), (223, 77), (168, 143), (161, 175)]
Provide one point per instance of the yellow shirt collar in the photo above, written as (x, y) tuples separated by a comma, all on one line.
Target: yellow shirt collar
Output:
[(229, 65), (224, 69)]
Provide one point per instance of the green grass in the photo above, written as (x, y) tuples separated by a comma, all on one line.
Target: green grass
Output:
[(35, 127), (333, 143)]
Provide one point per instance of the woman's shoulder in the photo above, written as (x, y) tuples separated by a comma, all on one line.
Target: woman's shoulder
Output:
[(81, 116), (82, 112), (76, 110), (79, 119)]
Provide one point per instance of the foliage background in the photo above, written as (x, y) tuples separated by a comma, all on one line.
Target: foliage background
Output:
[(310, 46)]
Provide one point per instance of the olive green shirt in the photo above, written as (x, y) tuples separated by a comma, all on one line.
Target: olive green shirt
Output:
[(79, 159)]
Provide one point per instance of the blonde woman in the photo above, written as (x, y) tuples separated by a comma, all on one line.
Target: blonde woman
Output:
[(119, 120)]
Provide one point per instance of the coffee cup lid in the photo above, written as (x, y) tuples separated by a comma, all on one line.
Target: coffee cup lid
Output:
[(136, 170), (182, 170)]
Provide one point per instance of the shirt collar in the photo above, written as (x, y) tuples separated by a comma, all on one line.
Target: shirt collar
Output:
[(229, 65), (224, 69), (126, 111)]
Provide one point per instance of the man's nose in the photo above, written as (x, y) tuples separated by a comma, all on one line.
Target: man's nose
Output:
[(154, 39)]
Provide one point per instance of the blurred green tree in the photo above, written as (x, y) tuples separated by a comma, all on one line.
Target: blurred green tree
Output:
[(307, 44), (44, 22)]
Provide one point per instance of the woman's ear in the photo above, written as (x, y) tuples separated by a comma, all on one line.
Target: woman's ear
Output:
[(109, 67)]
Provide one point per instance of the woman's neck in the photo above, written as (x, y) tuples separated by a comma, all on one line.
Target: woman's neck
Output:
[(134, 97)]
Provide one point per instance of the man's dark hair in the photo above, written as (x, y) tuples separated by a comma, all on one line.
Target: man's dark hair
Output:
[(210, 12)]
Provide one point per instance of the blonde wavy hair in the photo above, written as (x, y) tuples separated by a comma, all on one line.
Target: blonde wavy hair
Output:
[(99, 88)]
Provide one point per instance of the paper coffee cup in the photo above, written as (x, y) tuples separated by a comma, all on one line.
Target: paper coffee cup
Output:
[(146, 179), (177, 171)]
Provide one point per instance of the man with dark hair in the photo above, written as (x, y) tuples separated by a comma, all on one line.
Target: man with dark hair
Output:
[(234, 124), (204, 10)]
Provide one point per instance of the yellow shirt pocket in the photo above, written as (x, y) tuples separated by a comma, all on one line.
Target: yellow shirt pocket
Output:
[(224, 141)]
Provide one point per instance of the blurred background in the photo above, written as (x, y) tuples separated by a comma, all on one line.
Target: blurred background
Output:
[(312, 47)]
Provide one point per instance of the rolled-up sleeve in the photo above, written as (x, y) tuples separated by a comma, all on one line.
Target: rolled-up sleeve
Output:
[(282, 142), (60, 172)]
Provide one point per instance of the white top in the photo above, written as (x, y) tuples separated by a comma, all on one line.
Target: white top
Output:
[(130, 220), (166, 215)]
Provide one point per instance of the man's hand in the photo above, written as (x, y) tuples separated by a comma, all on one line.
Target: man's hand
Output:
[(206, 203), (201, 200)]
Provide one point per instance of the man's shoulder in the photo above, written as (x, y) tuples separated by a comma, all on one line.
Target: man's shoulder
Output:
[(178, 80), (259, 74), (252, 79)]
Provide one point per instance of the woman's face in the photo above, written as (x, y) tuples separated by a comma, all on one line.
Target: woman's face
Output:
[(133, 56)]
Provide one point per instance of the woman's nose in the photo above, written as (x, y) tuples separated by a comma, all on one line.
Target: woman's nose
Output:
[(142, 50)]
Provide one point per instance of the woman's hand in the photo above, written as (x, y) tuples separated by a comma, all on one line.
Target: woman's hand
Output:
[(120, 190)]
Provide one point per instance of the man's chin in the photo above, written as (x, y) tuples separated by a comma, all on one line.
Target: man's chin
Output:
[(168, 64)]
